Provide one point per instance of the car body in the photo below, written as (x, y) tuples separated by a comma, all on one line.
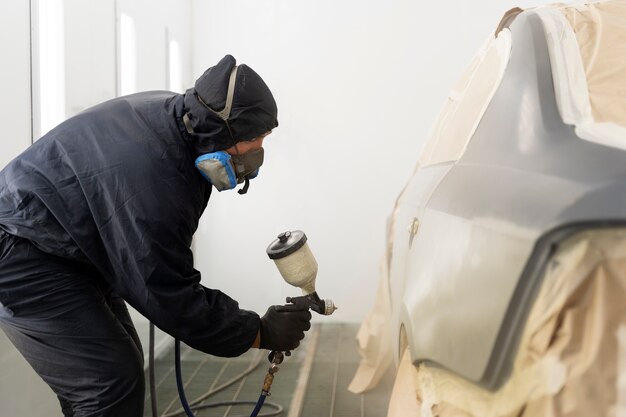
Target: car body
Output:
[(516, 164)]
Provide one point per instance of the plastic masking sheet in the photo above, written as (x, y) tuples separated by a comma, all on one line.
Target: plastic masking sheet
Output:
[(571, 359)]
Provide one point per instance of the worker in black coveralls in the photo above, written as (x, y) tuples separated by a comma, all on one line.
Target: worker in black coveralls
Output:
[(103, 209)]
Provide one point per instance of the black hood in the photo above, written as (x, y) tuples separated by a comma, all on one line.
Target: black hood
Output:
[(253, 112)]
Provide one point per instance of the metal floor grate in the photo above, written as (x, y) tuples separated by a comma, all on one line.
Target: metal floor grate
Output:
[(305, 386)]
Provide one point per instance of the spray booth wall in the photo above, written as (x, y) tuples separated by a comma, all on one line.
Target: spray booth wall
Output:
[(358, 85), (63, 57)]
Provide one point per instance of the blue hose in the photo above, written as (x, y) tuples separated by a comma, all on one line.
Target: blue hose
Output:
[(187, 408), (258, 405), (179, 380)]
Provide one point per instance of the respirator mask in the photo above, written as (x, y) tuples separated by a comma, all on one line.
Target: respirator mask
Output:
[(222, 170), (225, 171)]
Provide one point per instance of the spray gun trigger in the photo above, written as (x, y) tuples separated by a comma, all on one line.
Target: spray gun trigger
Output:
[(310, 301), (291, 307)]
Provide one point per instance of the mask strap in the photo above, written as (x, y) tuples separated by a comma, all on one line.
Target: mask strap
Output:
[(224, 114), (188, 125)]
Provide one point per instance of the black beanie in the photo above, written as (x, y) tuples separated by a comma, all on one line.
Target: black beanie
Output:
[(253, 111)]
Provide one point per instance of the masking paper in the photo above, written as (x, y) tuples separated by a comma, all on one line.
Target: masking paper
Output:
[(468, 100), (374, 339), (600, 30), (587, 45)]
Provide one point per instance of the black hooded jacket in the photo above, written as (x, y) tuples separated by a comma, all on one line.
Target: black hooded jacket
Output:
[(115, 189)]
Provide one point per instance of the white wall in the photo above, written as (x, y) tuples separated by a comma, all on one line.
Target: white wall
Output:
[(154, 22), (21, 391), (358, 85), (90, 65), (15, 112)]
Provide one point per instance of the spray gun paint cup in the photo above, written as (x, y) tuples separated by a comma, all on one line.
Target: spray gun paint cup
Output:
[(298, 267)]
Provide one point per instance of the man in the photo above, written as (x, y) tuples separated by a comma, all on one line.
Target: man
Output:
[(103, 209)]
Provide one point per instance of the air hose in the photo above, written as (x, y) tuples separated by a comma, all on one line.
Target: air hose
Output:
[(189, 407)]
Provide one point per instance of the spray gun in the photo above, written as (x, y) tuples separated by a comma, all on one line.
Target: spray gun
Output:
[(291, 254), (296, 264), (298, 267)]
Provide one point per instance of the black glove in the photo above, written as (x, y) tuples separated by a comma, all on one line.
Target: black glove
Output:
[(283, 330)]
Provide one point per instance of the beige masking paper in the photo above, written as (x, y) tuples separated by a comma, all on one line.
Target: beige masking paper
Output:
[(373, 338), (600, 30)]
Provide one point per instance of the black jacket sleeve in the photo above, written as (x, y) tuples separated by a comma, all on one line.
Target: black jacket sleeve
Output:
[(147, 242)]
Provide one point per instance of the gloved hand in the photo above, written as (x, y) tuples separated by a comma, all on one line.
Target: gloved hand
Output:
[(282, 330)]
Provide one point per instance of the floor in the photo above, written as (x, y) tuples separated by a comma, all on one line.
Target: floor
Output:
[(310, 383), (22, 392)]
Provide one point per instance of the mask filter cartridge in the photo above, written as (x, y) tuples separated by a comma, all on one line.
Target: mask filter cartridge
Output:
[(225, 171)]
